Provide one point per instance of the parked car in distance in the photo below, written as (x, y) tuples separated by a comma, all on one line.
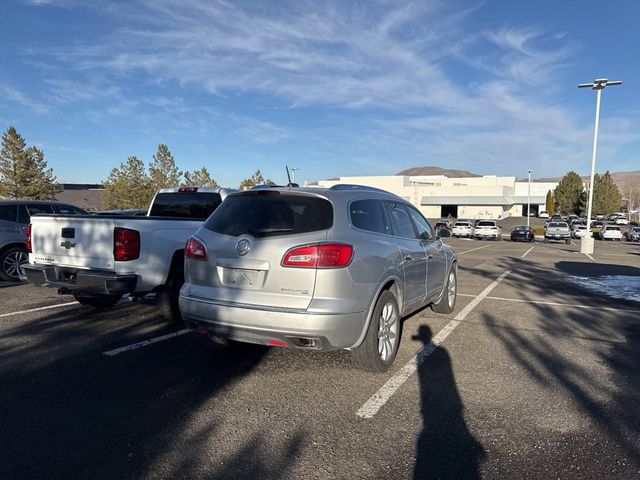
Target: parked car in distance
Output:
[(543, 214), (580, 231), (15, 216), (596, 226), (522, 233), (611, 232), (557, 231), (633, 234), (487, 229), (442, 229), (316, 269), (462, 228), (622, 221)]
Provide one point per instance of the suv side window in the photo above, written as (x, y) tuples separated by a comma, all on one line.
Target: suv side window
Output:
[(8, 213), (401, 221), (369, 215), (425, 232)]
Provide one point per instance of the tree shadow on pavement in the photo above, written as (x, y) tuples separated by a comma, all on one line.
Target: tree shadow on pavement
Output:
[(71, 412), (445, 449), (577, 344)]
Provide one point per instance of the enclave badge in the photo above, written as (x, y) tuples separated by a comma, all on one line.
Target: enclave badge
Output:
[(243, 247)]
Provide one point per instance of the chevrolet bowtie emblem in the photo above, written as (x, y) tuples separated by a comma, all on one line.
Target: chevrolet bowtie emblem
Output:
[(67, 244)]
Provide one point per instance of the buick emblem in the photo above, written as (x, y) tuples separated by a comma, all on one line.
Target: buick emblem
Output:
[(243, 247)]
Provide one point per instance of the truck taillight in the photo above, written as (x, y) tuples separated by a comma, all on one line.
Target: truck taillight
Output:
[(319, 255), (126, 244), (29, 249), (195, 249)]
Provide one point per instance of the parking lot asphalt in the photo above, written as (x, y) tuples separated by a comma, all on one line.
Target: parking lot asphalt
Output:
[(532, 376)]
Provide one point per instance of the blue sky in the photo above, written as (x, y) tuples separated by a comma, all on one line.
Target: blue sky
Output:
[(331, 88)]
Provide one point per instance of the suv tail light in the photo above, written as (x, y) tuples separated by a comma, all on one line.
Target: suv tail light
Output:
[(29, 249), (126, 244), (195, 249), (319, 255)]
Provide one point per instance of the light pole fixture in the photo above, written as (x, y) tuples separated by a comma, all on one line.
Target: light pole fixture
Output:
[(586, 245), (529, 199)]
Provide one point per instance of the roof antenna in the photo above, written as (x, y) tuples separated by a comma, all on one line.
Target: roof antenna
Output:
[(290, 184)]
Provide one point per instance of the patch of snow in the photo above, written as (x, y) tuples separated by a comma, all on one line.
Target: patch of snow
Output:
[(625, 287)]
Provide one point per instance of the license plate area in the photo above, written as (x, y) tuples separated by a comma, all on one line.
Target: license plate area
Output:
[(242, 278)]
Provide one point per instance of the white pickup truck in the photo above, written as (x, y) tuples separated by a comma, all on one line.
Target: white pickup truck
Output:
[(99, 258)]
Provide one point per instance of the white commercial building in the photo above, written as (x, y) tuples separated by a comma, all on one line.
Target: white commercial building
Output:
[(439, 196)]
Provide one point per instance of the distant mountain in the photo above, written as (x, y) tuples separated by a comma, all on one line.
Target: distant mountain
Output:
[(622, 179), (452, 173)]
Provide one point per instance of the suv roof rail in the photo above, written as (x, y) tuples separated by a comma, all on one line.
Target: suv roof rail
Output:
[(350, 186)]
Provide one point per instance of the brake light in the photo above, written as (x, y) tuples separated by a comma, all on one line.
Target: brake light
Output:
[(195, 249), (319, 255), (126, 244), (29, 249), (188, 189)]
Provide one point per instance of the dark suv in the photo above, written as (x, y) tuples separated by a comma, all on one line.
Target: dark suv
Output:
[(15, 216)]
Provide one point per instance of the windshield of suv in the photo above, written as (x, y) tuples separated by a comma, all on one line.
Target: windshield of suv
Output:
[(268, 213)]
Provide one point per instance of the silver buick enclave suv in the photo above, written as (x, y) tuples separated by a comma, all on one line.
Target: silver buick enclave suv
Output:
[(315, 268)]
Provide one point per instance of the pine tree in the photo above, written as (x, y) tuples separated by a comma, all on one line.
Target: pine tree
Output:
[(163, 172), (23, 170), (549, 205), (128, 186), (606, 196), (199, 178), (568, 194), (256, 179)]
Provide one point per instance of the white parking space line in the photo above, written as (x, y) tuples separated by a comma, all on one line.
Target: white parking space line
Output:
[(590, 257), (527, 252), (144, 343), (48, 307), (378, 399), (555, 304), (472, 250)]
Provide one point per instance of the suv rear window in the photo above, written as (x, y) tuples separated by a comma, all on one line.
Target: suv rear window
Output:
[(185, 204), (270, 213), (486, 224)]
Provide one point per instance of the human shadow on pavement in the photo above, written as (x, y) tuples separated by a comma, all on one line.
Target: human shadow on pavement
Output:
[(445, 449)]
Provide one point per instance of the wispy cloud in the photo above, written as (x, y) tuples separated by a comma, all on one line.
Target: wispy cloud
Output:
[(16, 96), (410, 78)]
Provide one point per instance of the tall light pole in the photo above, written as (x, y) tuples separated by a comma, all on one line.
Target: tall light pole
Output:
[(586, 245), (529, 199), (293, 174)]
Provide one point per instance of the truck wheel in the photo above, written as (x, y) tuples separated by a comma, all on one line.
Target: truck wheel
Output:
[(447, 302), (97, 301), (380, 346), (168, 298), (10, 263)]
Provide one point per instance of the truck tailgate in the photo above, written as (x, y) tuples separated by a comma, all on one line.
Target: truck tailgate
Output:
[(84, 241)]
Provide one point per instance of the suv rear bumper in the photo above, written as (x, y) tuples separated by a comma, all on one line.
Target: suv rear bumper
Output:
[(252, 324), (89, 282)]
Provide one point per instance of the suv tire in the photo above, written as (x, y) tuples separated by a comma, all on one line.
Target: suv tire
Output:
[(379, 348), (10, 261), (447, 301), (168, 298)]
